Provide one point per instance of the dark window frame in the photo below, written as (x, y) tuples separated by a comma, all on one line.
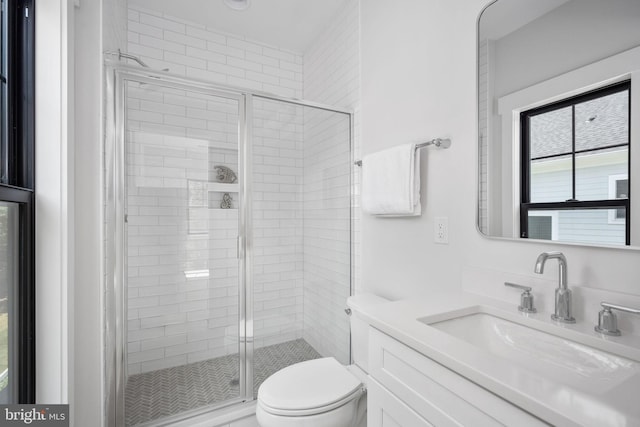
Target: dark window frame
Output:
[(17, 181), (572, 204)]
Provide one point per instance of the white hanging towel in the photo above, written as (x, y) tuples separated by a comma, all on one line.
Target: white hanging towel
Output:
[(391, 182)]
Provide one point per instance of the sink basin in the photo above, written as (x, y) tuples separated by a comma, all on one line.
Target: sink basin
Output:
[(544, 353)]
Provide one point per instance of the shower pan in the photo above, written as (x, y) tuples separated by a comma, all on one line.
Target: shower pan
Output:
[(227, 239)]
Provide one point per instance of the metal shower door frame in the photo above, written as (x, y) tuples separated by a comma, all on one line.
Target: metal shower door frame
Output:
[(115, 234)]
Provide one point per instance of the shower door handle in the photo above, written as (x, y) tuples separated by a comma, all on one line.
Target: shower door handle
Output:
[(240, 247)]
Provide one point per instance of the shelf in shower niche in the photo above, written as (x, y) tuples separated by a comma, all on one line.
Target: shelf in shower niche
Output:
[(222, 187)]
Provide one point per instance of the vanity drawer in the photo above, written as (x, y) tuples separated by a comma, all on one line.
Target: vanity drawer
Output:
[(436, 393)]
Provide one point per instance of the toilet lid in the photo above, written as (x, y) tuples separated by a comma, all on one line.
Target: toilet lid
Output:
[(308, 385)]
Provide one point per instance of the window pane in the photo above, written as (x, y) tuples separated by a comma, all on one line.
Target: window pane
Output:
[(8, 282), (550, 133), (551, 180), (593, 226), (603, 122), (593, 170)]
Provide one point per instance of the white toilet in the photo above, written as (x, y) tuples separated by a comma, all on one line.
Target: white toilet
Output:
[(321, 392)]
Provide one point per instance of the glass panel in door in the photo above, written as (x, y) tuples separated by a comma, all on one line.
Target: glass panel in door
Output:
[(183, 272), (301, 253)]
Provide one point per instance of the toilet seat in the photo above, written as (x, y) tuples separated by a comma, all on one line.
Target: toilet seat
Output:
[(309, 388)]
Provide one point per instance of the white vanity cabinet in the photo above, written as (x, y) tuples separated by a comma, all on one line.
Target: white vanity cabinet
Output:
[(408, 389)]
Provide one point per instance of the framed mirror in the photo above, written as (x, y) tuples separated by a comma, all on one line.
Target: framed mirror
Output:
[(558, 122)]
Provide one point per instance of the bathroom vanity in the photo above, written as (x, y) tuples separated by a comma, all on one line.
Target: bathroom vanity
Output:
[(463, 359)]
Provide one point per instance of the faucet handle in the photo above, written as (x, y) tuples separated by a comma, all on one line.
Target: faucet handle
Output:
[(607, 320), (515, 285), (526, 299)]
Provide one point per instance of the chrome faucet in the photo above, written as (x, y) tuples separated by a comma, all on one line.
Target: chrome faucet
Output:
[(563, 293)]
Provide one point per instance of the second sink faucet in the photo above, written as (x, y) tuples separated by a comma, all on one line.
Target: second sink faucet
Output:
[(563, 293)]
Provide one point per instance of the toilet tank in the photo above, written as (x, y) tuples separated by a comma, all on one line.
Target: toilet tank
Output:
[(360, 328)]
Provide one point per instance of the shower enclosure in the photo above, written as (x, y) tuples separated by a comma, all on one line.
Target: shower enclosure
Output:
[(227, 241)]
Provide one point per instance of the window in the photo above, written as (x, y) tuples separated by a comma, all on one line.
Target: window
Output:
[(17, 281), (570, 149)]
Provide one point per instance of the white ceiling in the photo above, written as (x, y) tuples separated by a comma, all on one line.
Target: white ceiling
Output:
[(288, 24)]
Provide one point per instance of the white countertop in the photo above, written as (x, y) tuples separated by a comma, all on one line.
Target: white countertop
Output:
[(548, 398)]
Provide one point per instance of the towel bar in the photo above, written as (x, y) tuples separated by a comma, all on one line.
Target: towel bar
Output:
[(438, 142)]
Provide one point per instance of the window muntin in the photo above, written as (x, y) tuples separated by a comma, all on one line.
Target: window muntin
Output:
[(569, 151)]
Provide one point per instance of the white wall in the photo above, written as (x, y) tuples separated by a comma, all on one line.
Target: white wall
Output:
[(87, 350), (86, 372), (538, 51), (419, 82)]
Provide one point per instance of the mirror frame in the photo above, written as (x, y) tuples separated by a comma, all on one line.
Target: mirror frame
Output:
[(602, 81)]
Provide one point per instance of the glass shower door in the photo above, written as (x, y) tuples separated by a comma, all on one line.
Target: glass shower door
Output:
[(183, 272), (227, 240), (301, 235)]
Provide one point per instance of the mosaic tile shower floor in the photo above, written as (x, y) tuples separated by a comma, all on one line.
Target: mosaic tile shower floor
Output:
[(170, 391)]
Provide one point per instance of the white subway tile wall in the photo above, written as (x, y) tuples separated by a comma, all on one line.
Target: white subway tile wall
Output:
[(483, 112), (278, 244), (301, 194), (201, 52), (114, 33), (331, 76)]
